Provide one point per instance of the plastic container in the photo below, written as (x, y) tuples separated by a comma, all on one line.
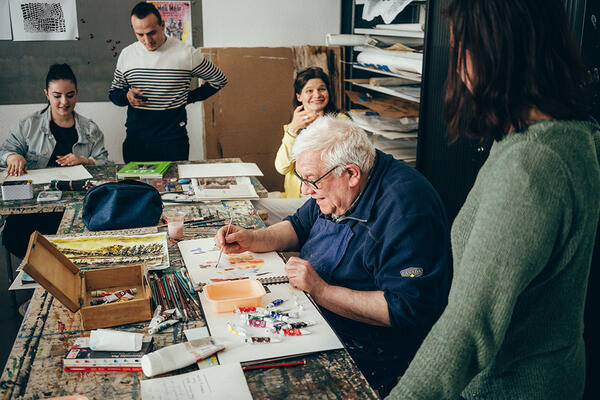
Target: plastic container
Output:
[(227, 296), (175, 224)]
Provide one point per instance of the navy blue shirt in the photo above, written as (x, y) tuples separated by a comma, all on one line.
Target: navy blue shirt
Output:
[(399, 223)]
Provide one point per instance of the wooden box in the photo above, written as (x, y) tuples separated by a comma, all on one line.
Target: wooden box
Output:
[(72, 287)]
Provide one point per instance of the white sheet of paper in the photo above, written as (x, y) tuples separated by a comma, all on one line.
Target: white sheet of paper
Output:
[(44, 19), (200, 257), (322, 337), (18, 284), (224, 382), (45, 175), (5, 32), (234, 188), (218, 169)]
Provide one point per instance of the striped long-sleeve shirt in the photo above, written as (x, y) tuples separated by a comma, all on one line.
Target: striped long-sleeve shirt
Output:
[(164, 76)]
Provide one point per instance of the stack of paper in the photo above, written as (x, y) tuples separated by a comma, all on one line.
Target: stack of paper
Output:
[(221, 181)]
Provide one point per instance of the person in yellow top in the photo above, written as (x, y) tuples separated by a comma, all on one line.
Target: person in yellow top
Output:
[(312, 100)]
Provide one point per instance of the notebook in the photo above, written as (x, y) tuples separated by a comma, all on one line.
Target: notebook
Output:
[(200, 257)]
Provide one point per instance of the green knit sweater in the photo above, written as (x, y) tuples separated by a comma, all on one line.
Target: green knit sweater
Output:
[(522, 246)]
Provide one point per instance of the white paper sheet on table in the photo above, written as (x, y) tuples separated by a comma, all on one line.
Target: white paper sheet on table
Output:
[(213, 170), (46, 175), (322, 337), (224, 382), (200, 257), (5, 32)]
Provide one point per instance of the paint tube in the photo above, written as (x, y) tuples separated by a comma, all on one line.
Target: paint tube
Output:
[(162, 326), (114, 296), (178, 356), (261, 340)]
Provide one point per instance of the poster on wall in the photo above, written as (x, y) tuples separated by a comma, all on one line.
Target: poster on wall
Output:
[(5, 33), (177, 16), (44, 19)]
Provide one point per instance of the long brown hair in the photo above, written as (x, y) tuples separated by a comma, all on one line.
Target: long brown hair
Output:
[(522, 55)]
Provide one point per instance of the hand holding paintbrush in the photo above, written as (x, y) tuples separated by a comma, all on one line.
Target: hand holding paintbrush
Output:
[(225, 239)]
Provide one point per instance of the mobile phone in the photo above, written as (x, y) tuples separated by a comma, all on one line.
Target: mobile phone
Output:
[(49, 195), (139, 96)]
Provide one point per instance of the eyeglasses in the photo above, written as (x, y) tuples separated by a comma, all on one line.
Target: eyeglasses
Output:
[(313, 184)]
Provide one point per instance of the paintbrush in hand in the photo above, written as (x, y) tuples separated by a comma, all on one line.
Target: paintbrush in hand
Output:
[(224, 240)]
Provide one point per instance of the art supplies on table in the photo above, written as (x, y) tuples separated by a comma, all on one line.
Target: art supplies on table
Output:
[(259, 344), (220, 382), (23, 281), (103, 251), (143, 170), (178, 356), (73, 287), (223, 188), (200, 257), (170, 291), (81, 357), (49, 196), (213, 170), (46, 175)]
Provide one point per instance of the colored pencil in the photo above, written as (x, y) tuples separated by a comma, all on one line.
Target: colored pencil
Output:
[(286, 364)]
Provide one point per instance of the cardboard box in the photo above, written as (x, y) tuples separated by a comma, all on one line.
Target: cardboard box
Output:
[(246, 118), (72, 287)]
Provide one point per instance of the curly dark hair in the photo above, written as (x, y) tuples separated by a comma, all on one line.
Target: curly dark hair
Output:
[(522, 57)]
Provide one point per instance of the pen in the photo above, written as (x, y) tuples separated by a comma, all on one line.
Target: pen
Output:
[(286, 364)]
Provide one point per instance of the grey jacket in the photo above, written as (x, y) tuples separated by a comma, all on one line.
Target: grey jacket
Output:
[(31, 138)]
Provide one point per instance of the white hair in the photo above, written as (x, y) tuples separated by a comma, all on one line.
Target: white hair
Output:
[(340, 142)]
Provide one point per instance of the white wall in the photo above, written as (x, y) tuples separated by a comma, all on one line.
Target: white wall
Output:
[(270, 23), (111, 120), (226, 23)]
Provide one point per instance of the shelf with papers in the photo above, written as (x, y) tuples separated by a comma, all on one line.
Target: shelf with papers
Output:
[(390, 32), (409, 93), (405, 75)]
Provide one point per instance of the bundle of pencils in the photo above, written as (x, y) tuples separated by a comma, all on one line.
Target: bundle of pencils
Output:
[(174, 291)]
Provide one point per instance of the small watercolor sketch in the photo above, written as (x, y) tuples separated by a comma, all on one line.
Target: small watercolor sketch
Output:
[(201, 255)]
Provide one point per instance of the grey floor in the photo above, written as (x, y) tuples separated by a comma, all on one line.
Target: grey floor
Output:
[(10, 319)]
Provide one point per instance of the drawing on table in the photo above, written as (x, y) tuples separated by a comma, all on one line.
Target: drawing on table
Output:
[(111, 250)]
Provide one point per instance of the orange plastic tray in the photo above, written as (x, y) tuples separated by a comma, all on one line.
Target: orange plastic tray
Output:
[(227, 296)]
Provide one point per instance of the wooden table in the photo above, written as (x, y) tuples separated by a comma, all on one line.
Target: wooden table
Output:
[(34, 368)]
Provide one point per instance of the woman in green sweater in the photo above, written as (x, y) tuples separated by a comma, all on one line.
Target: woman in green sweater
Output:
[(523, 241)]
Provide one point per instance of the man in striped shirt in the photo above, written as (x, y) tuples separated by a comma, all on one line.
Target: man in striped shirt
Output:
[(153, 78)]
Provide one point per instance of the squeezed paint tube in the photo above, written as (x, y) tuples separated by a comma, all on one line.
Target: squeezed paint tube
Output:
[(162, 326), (275, 303), (114, 296), (178, 356), (236, 329), (261, 340), (293, 332), (257, 323)]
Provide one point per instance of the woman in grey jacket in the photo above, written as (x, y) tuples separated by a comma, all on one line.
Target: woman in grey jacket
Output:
[(56, 136)]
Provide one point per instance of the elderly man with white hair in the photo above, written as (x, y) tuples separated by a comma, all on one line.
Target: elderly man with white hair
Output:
[(374, 246)]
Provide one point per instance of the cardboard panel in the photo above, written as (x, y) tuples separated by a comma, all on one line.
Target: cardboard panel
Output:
[(245, 119)]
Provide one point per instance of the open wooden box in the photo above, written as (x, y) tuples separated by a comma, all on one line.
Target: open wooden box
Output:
[(72, 287)]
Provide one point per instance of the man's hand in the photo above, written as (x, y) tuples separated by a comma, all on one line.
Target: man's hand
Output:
[(303, 276), (72, 159), (15, 164), (237, 240), (136, 101)]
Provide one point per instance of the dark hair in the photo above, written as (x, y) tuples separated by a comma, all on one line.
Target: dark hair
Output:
[(143, 9), (306, 75), (523, 56), (58, 72)]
